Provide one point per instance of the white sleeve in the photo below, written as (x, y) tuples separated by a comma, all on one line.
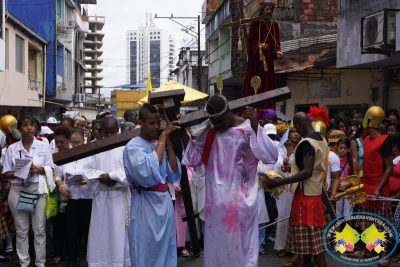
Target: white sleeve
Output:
[(334, 162), (58, 173)]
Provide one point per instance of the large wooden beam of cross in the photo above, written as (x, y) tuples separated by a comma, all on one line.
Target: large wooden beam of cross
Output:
[(243, 22), (188, 120), (171, 101)]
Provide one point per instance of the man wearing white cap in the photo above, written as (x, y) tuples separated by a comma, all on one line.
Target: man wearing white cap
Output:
[(52, 123)]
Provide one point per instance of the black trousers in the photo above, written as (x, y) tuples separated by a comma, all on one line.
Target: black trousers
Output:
[(77, 213), (59, 228)]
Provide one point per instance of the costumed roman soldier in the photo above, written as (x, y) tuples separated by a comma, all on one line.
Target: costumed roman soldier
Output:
[(307, 220), (320, 120), (265, 46), (378, 165)]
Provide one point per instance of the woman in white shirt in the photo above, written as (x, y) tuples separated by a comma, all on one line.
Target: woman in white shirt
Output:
[(28, 148), (74, 188)]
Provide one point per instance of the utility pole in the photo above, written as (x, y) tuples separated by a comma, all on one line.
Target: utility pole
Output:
[(187, 198), (200, 75), (199, 59)]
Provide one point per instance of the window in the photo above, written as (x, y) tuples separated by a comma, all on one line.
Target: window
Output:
[(19, 51), (68, 59), (151, 37), (151, 33), (60, 9)]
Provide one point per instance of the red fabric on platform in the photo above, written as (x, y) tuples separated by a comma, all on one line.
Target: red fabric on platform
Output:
[(254, 65), (207, 146), (309, 208), (158, 188)]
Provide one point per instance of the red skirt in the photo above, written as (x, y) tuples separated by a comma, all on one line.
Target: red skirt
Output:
[(370, 185), (307, 210)]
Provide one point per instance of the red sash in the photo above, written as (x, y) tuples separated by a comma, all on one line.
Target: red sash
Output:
[(158, 188), (208, 145)]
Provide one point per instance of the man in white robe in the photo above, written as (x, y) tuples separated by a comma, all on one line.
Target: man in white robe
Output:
[(148, 164), (108, 234), (230, 153)]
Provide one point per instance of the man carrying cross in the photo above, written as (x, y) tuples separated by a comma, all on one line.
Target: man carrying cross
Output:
[(230, 152)]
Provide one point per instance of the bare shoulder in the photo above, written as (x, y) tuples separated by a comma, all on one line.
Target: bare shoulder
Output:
[(238, 121)]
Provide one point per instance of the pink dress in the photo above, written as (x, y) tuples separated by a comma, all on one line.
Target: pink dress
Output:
[(231, 223), (179, 210)]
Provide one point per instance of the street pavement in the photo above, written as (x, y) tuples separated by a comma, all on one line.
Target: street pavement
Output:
[(270, 260)]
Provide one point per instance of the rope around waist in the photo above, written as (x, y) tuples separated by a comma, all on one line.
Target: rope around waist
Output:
[(126, 203)]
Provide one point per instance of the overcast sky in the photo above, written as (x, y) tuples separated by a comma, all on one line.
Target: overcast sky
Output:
[(124, 15)]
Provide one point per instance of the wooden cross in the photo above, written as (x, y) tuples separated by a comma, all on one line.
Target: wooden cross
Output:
[(243, 22), (171, 100), (188, 120)]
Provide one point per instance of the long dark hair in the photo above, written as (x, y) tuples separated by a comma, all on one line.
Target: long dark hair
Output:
[(346, 142)]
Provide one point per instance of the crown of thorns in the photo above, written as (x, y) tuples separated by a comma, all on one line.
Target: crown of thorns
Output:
[(219, 114)]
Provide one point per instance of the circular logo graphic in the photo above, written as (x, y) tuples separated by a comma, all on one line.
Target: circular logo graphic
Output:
[(379, 233)]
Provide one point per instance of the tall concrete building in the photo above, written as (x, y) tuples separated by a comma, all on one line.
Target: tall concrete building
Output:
[(150, 48), (92, 53)]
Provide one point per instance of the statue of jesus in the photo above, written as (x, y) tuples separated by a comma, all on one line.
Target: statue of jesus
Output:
[(265, 45)]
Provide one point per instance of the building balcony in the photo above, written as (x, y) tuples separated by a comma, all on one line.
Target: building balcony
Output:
[(92, 53), (92, 86), (96, 22), (92, 45), (33, 84), (95, 36), (89, 78), (94, 70)]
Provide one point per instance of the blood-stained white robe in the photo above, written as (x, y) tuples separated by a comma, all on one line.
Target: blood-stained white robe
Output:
[(108, 244), (231, 223)]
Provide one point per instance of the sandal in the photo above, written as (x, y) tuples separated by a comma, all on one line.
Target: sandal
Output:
[(383, 263), (291, 264), (56, 261), (282, 254), (10, 251), (184, 253), (263, 253)]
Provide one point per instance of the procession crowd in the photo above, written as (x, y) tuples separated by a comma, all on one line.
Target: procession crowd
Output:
[(124, 207)]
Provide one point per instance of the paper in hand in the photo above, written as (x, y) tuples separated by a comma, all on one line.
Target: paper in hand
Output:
[(22, 168), (73, 178)]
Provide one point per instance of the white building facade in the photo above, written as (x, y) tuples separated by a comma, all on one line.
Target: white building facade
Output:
[(149, 48)]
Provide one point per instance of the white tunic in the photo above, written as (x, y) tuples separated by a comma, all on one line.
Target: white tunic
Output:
[(108, 233)]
